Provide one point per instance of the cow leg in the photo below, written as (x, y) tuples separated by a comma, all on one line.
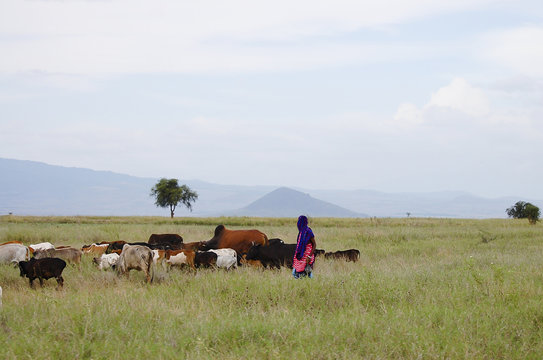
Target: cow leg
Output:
[(31, 283), (41, 281), (60, 281)]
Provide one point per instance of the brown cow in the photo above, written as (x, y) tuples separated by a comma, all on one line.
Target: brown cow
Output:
[(193, 246), (95, 249), (239, 240), (180, 257), (71, 255)]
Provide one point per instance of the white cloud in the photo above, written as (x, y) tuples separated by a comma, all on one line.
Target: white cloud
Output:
[(460, 95), (518, 49), (457, 99), (408, 114), (171, 36)]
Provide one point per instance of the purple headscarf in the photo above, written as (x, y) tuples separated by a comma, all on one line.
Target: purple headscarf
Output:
[(304, 234)]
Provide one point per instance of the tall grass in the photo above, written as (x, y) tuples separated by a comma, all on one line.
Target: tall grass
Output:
[(423, 288)]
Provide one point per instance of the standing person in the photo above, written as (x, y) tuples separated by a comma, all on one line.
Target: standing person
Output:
[(304, 257)]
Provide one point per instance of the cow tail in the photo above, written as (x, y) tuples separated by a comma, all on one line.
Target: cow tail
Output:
[(151, 267)]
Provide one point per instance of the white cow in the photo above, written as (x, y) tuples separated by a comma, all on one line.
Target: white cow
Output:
[(13, 253), (41, 246), (226, 258), (135, 257), (105, 261)]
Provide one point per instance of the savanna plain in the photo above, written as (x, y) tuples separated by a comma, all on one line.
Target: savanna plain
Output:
[(422, 289)]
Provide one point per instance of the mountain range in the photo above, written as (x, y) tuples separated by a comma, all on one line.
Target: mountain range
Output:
[(34, 188)]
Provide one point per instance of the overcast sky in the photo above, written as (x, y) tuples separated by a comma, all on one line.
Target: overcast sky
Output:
[(389, 95)]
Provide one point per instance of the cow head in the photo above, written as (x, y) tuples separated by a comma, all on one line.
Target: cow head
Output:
[(22, 268), (218, 230), (253, 252)]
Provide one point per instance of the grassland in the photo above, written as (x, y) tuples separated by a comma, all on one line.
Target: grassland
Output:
[(423, 289)]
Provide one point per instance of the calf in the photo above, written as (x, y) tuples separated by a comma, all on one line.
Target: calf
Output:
[(274, 255), (41, 246), (95, 249), (43, 269), (205, 259), (180, 258), (347, 255), (106, 261), (226, 258)]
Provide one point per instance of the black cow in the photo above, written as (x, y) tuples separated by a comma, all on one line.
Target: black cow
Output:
[(174, 241), (45, 268), (205, 259), (319, 252), (347, 255), (273, 255)]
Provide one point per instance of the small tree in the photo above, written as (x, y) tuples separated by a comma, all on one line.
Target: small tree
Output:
[(532, 213), (168, 193), (524, 210)]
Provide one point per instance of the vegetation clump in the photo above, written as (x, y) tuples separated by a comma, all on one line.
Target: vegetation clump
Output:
[(524, 210)]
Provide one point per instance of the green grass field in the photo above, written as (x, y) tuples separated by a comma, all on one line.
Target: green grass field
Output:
[(423, 289)]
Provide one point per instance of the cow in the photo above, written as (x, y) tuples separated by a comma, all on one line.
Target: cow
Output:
[(274, 255), (115, 246), (347, 255), (226, 258), (13, 253), (174, 241), (205, 259), (239, 240), (11, 242), (41, 246), (69, 254), (194, 246), (105, 261), (95, 249), (180, 258), (43, 269), (252, 263), (136, 257), (319, 252)]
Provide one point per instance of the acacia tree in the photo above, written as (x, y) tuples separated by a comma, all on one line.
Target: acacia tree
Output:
[(524, 210), (168, 193)]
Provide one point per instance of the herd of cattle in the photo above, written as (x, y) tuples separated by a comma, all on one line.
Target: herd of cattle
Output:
[(227, 249)]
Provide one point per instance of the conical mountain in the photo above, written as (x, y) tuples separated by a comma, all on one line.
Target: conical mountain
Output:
[(286, 202)]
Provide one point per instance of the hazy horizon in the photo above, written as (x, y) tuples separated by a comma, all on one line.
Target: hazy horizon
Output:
[(392, 96)]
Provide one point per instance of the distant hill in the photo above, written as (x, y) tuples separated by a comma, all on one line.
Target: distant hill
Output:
[(34, 188), (285, 202)]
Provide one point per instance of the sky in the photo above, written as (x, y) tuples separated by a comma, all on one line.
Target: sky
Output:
[(389, 95)]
